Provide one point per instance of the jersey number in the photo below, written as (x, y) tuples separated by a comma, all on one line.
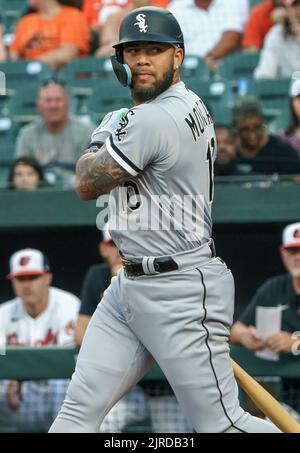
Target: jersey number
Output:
[(133, 196), (209, 157)]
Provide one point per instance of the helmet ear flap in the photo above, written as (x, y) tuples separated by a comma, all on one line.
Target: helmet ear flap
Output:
[(122, 71), (119, 55)]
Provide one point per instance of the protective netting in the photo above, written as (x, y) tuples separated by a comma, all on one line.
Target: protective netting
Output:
[(32, 405), (148, 408)]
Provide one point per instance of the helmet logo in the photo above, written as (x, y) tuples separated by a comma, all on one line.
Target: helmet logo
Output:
[(141, 23)]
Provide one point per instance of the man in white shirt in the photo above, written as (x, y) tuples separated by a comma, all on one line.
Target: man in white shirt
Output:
[(38, 315), (212, 29)]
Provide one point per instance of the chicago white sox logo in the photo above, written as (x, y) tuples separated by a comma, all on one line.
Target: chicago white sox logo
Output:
[(141, 23)]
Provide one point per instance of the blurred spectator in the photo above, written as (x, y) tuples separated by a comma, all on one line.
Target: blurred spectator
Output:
[(280, 56), (226, 146), (292, 133), (57, 139), (212, 28), (110, 19), (98, 10), (280, 291), (262, 17), (283, 290), (259, 152), (90, 9), (55, 34), (39, 315), (95, 283), (2, 44), (26, 173)]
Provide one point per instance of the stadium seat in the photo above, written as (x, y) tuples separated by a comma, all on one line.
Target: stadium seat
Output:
[(193, 65), (15, 7), (217, 96), (22, 106), (254, 3), (4, 170), (7, 140), (82, 75), (105, 97), (80, 72), (239, 66), (273, 95), (20, 72), (12, 10), (4, 105)]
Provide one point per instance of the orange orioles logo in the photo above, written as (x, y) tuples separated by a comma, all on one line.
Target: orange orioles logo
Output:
[(297, 234), (24, 260)]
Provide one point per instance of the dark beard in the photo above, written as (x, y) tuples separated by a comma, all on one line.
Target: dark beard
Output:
[(146, 95)]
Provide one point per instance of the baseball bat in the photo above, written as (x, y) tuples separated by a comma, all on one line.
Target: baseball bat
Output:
[(264, 401)]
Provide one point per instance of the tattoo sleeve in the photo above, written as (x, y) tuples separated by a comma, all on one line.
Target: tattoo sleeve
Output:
[(98, 173)]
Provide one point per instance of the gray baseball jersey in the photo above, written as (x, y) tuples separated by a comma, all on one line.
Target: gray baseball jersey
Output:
[(166, 207)]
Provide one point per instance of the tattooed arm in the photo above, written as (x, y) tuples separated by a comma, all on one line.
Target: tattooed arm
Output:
[(97, 173)]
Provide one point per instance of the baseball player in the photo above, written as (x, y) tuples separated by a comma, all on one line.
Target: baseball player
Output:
[(39, 315), (173, 300)]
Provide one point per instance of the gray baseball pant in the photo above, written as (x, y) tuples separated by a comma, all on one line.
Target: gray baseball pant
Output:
[(181, 319)]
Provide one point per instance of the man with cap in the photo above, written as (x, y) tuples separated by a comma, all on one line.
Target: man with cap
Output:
[(282, 290), (38, 315), (292, 132), (258, 151), (57, 137)]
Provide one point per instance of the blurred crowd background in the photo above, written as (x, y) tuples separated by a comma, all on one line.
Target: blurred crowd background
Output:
[(56, 84), (242, 58)]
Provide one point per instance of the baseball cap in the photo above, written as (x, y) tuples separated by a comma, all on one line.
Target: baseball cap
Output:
[(28, 262), (291, 236), (295, 88)]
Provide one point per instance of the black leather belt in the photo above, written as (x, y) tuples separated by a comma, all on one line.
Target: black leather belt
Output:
[(159, 266), (156, 265)]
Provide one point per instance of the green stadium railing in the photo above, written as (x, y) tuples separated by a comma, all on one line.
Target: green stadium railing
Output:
[(54, 362), (243, 203)]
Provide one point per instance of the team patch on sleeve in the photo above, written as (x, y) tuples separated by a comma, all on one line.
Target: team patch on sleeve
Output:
[(121, 132)]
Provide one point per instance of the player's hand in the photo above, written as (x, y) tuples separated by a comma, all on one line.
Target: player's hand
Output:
[(251, 339), (110, 122), (280, 342), (13, 395)]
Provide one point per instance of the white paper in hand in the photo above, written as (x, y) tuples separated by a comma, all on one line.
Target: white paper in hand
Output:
[(268, 322)]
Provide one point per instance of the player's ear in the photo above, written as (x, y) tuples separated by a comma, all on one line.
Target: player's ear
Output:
[(178, 57), (49, 278)]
